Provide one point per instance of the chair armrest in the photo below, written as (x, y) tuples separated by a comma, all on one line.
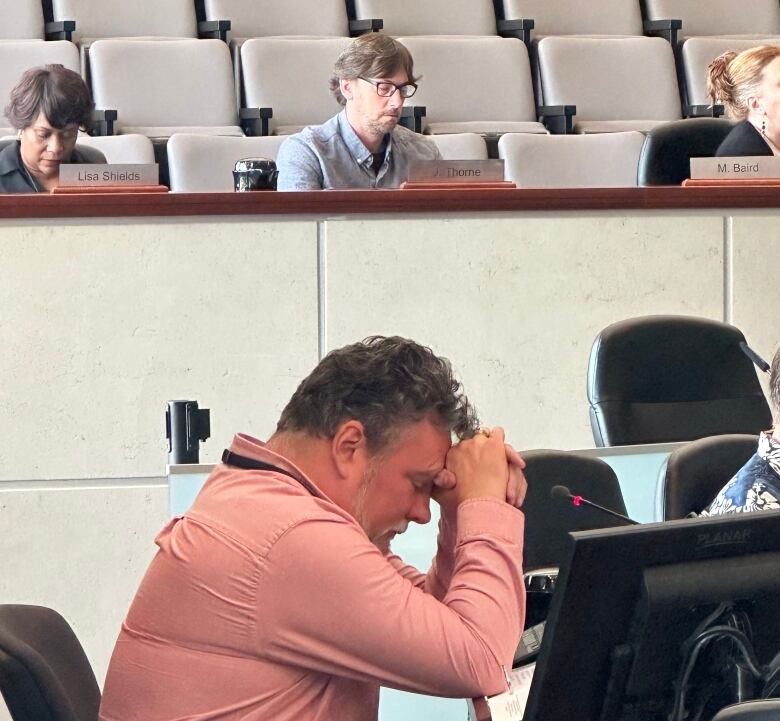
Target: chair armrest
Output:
[(666, 29), (103, 122), (558, 119), (411, 117), (520, 29), (254, 121), (213, 29), (704, 111), (59, 30), (361, 27)]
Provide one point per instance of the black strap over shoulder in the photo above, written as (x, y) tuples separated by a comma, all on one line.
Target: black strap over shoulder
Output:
[(250, 464)]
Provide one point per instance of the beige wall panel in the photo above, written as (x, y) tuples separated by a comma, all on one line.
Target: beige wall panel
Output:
[(756, 291), (102, 324), (82, 551), (516, 303)]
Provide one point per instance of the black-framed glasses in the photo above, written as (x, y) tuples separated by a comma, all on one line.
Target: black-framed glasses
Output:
[(387, 89)]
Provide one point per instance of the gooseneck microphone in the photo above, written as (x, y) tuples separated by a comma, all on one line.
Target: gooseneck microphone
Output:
[(562, 493), (757, 359)]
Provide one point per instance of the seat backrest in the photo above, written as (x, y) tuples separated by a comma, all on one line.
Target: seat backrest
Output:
[(267, 66), (119, 18), (121, 149), (572, 17), (610, 79), (667, 151), (164, 82), (472, 78), (719, 17), (461, 146), (204, 163), (657, 379), (18, 56), (547, 520), (260, 18), (430, 17), (698, 53), (571, 161), (767, 709), (44, 673), (695, 473), (22, 19)]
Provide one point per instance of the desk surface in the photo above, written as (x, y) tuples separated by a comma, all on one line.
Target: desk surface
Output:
[(328, 203)]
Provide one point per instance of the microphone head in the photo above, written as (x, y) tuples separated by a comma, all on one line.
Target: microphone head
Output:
[(560, 493)]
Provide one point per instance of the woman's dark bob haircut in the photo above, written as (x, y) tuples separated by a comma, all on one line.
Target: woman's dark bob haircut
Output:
[(60, 94)]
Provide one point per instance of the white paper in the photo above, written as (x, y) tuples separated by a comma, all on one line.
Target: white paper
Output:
[(510, 706)]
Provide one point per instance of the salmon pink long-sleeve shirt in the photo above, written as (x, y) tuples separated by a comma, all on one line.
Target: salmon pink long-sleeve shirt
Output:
[(267, 602)]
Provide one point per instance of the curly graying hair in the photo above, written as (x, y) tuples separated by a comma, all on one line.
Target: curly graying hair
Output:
[(385, 383), (374, 55)]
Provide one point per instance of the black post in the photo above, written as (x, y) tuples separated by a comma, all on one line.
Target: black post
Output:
[(186, 425)]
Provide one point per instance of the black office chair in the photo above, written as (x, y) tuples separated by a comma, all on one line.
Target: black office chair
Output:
[(44, 673), (763, 710), (666, 155), (667, 378), (694, 474), (548, 520)]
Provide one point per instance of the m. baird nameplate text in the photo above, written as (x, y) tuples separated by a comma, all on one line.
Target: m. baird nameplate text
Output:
[(93, 175), (753, 166), (456, 171)]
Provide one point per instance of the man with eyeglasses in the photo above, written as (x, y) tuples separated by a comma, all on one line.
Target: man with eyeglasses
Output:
[(363, 146)]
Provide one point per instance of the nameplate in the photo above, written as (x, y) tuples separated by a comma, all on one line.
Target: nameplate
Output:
[(755, 166), (96, 175), (456, 171)]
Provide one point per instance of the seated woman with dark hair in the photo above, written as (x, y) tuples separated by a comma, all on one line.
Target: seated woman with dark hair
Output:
[(48, 107), (748, 85), (756, 486)]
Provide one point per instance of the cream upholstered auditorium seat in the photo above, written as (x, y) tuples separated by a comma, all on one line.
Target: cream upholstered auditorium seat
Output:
[(616, 83), (159, 87), (574, 17), (97, 19), (461, 146), (121, 149), (261, 18), (732, 18), (473, 85), (430, 17), (290, 75), (204, 163), (21, 20), (602, 160), (16, 56), (698, 53)]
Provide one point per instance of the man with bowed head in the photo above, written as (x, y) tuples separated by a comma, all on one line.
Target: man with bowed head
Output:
[(363, 146), (276, 595)]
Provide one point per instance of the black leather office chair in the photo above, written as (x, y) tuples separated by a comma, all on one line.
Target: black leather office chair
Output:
[(666, 155), (763, 710), (44, 673), (659, 379), (694, 474), (549, 520)]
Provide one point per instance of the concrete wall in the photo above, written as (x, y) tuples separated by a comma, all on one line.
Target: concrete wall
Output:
[(102, 322)]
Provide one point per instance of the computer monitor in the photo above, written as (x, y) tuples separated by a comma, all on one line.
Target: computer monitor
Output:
[(628, 598)]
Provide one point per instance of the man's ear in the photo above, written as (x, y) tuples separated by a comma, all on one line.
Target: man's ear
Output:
[(346, 88), (349, 449)]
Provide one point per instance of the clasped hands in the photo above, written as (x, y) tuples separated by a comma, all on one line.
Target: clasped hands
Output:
[(480, 467)]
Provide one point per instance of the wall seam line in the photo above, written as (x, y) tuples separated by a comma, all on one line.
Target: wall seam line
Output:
[(322, 289)]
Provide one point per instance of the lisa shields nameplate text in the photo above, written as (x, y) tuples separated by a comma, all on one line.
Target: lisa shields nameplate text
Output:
[(754, 166), (75, 175)]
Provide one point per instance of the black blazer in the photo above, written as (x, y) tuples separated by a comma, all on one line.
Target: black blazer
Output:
[(743, 140), (14, 180)]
